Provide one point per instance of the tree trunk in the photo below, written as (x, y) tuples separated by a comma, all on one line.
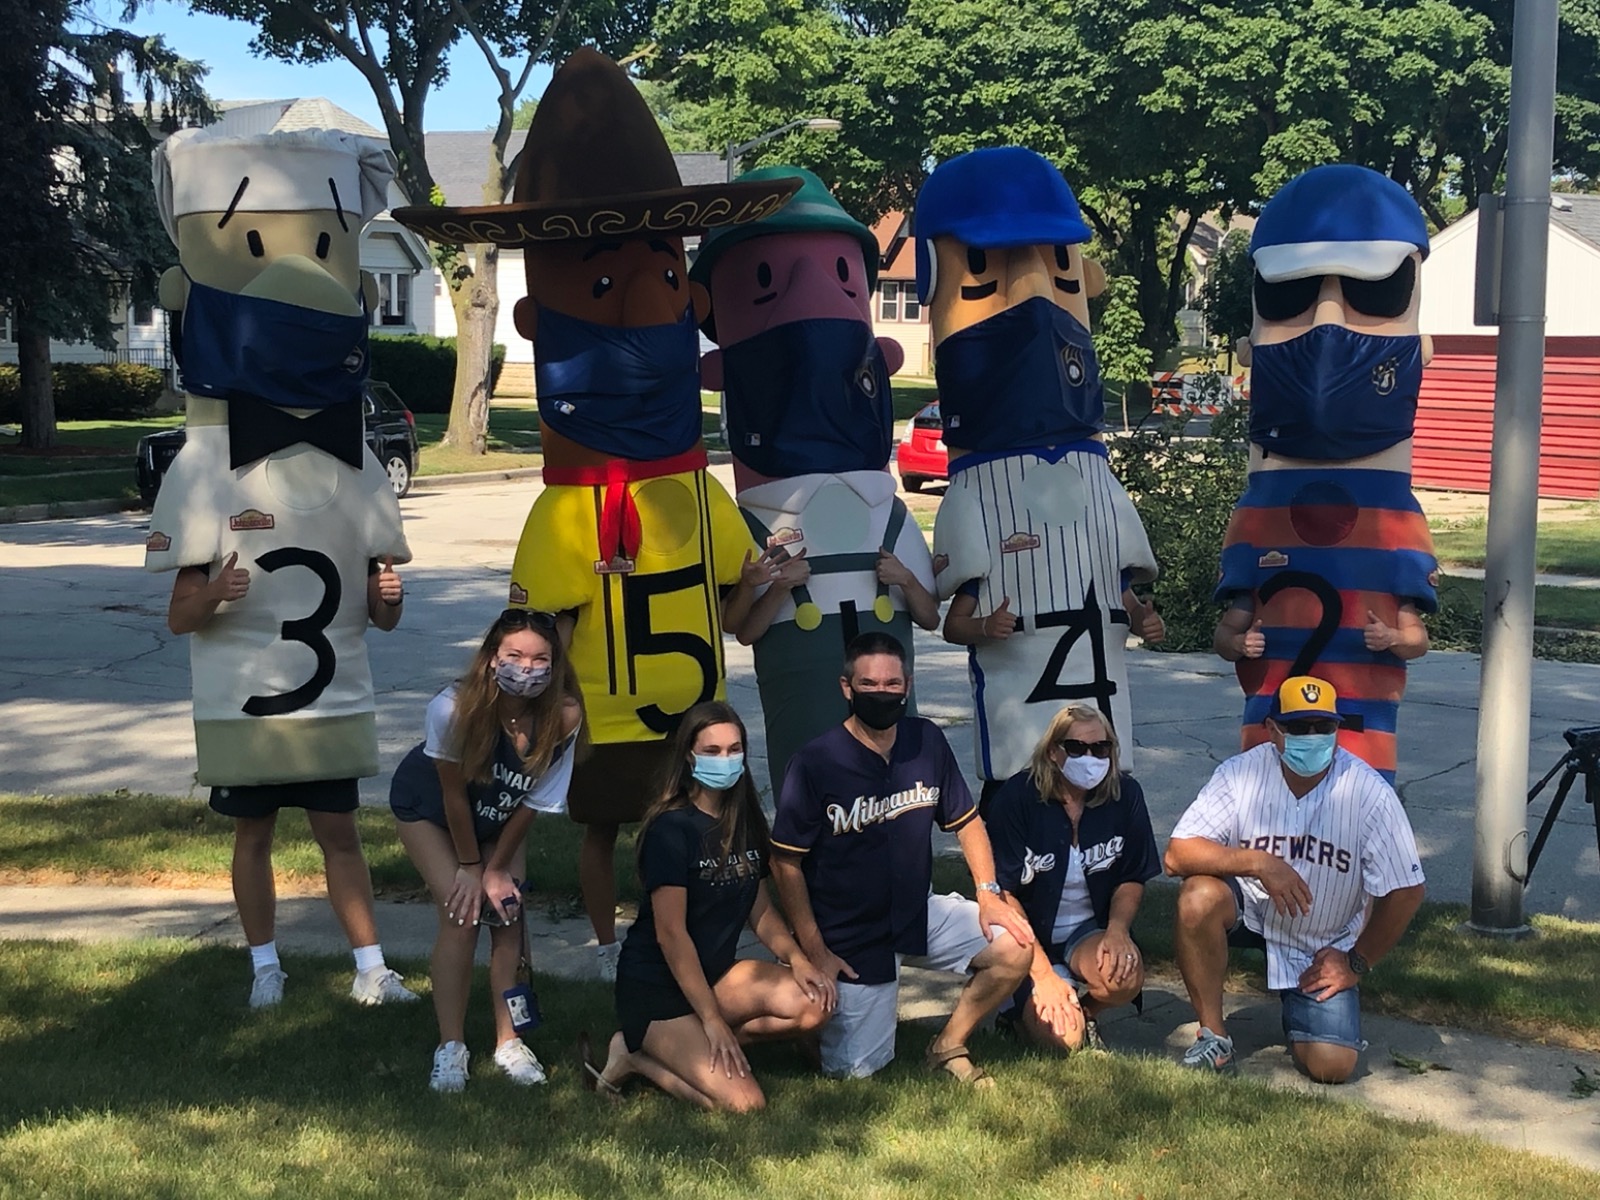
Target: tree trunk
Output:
[(477, 305), (38, 398)]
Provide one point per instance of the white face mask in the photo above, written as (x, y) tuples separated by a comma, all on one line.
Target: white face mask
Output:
[(1086, 771)]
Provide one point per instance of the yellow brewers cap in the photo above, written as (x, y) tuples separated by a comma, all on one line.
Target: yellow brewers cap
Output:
[(1303, 696)]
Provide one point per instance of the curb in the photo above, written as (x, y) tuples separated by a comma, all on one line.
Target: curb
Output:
[(19, 513)]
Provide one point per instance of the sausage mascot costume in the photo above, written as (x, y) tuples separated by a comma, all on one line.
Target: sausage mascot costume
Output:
[(1328, 559), (631, 538), (281, 524), (810, 420), (1036, 540)]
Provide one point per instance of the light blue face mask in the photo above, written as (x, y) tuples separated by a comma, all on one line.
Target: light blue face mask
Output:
[(1308, 754), (718, 771)]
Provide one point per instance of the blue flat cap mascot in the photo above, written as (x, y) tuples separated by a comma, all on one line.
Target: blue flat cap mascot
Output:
[(1328, 560), (1036, 540)]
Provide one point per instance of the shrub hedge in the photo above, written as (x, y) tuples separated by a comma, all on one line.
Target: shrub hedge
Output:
[(89, 391), (422, 368)]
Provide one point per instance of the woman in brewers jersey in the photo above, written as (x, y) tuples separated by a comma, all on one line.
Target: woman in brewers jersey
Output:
[(1073, 848), (685, 1005), (499, 748)]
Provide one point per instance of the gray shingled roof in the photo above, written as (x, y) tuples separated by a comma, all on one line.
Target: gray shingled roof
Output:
[(460, 163), (1583, 218)]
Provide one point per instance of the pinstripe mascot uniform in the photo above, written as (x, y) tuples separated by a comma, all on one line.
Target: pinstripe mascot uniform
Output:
[(1328, 559), (1034, 525), (810, 419), (631, 538)]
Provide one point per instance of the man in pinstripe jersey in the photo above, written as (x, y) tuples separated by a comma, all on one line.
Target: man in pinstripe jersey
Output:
[(1282, 850)]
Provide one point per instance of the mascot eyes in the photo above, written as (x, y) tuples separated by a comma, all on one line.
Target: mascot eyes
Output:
[(843, 268), (671, 277), (977, 260), (253, 240), (763, 275), (602, 286), (323, 242), (1063, 258)]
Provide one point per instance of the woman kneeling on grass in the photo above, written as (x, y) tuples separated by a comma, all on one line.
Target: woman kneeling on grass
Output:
[(684, 1004), (1073, 848), (500, 745)]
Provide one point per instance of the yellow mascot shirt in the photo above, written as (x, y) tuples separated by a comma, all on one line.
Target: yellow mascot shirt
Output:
[(648, 640)]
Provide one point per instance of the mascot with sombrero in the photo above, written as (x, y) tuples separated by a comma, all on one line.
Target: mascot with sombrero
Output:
[(810, 420), (1036, 541), (279, 521), (631, 538), (1328, 560)]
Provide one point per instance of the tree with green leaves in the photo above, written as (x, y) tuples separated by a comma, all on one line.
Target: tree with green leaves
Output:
[(401, 49), (1118, 330), (82, 235), (1227, 297)]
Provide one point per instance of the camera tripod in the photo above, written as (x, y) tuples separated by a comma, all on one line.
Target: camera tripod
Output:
[(1583, 758)]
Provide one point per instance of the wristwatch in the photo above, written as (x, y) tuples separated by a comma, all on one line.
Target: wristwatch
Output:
[(1358, 965), (989, 886)]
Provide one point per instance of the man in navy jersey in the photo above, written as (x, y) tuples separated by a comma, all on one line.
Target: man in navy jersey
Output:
[(1282, 851), (853, 863)]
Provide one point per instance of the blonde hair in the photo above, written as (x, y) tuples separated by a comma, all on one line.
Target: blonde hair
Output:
[(1047, 778)]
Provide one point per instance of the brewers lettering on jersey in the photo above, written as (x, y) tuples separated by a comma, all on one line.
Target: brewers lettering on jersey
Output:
[(1348, 838)]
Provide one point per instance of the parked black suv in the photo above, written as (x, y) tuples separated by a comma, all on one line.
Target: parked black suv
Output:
[(391, 432)]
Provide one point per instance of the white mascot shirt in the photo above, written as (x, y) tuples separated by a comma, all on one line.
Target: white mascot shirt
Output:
[(282, 688), (1056, 538)]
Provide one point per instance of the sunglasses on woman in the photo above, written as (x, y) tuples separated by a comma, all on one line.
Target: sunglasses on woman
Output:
[(1076, 749), (527, 618)]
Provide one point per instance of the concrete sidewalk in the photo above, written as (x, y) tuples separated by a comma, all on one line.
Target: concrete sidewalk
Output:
[(1508, 1093)]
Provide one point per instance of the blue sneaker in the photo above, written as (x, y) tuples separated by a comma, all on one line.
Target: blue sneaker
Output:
[(1211, 1052)]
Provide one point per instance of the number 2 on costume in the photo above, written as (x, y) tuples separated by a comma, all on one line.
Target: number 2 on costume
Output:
[(642, 639), (1327, 625), (308, 631)]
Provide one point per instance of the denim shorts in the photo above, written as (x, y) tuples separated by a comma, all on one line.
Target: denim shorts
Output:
[(1335, 1021)]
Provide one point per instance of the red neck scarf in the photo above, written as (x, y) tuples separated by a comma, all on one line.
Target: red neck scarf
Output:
[(620, 532)]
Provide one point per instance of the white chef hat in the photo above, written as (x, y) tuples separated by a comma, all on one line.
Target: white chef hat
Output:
[(300, 170)]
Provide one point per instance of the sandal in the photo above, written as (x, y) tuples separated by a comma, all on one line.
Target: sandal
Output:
[(946, 1060), (593, 1079)]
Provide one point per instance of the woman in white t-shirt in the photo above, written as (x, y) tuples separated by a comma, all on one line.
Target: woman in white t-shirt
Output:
[(499, 748)]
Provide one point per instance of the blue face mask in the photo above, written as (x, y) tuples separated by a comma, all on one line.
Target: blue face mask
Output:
[(234, 347), (809, 396), (718, 771), (628, 393), (1334, 394), (1024, 377), (1308, 754)]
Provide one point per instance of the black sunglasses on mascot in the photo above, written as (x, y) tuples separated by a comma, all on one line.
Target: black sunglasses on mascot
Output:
[(1387, 297), (1076, 749)]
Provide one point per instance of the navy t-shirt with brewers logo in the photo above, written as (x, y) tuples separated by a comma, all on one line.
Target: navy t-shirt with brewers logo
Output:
[(864, 826)]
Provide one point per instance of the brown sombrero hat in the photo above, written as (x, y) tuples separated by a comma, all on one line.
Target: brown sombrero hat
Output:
[(596, 165)]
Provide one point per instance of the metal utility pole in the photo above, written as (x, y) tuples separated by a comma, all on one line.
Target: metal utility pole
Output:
[(1500, 854)]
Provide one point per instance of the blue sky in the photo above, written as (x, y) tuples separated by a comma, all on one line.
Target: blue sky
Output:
[(466, 101)]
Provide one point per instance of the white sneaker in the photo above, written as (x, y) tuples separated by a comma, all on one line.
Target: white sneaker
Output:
[(607, 956), (449, 1068), (267, 989), (380, 985), (520, 1063)]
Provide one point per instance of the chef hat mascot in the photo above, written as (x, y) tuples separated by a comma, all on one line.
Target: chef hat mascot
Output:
[(631, 538), (280, 523), (1036, 540), (810, 419), (1328, 560)]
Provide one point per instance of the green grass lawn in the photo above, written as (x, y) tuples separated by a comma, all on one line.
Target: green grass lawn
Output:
[(1569, 546), (136, 1070), (1556, 607), (1542, 988)]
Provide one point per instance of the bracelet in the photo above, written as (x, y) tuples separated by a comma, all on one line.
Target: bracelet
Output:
[(477, 862)]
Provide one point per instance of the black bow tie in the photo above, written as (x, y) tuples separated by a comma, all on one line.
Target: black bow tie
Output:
[(256, 430)]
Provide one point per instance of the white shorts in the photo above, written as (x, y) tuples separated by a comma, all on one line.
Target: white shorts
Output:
[(859, 1040)]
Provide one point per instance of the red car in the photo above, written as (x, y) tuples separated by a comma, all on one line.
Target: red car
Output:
[(921, 454)]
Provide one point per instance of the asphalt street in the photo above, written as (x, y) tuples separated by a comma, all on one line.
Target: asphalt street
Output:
[(94, 691)]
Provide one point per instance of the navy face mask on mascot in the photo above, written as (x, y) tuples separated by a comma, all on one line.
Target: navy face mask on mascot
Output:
[(809, 396), (1024, 377), (626, 392), (235, 347), (1334, 394)]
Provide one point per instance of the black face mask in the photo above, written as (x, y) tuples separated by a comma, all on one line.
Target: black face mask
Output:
[(878, 710)]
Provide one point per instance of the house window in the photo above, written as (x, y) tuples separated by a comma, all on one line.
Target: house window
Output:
[(394, 298), (898, 302), (144, 314), (5, 325)]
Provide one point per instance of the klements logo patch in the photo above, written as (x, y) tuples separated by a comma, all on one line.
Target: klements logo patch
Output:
[(157, 543), (250, 519)]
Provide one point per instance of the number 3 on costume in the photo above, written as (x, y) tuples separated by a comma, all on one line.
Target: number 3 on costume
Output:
[(642, 639), (308, 631)]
